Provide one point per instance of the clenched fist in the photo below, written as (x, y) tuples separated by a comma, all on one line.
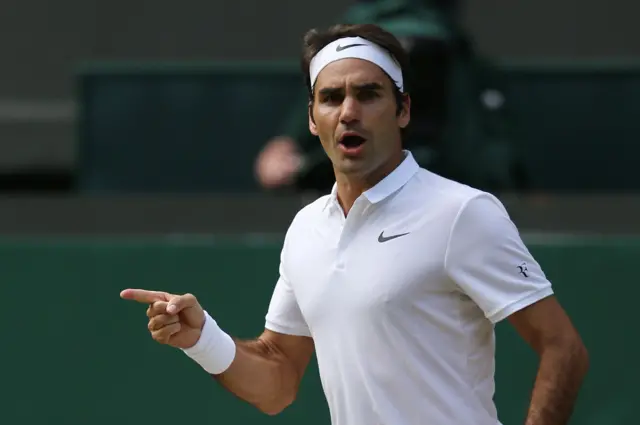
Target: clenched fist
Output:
[(175, 320)]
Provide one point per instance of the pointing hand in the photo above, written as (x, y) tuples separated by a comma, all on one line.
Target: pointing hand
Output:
[(174, 320)]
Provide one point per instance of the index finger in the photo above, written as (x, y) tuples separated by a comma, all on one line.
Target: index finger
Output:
[(144, 296)]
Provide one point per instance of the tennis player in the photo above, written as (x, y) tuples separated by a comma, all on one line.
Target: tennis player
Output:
[(396, 279)]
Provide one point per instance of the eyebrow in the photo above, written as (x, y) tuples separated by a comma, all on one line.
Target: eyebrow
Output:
[(368, 87), (358, 87)]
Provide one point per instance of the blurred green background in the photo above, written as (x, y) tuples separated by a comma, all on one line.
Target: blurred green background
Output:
[(79, 354), (129, 132)]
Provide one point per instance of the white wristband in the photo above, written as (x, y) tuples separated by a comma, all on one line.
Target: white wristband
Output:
[(215, 350)]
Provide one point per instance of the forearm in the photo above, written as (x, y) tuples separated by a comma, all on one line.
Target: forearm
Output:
[(261, 375), (560, 375)]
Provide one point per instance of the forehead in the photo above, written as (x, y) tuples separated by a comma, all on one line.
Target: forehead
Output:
[(351, 71)]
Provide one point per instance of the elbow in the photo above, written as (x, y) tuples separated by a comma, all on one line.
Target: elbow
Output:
[(583, 356), (573, 351), (578, 353), (280, 397), (276, 405), (277, 387), (272, 410)]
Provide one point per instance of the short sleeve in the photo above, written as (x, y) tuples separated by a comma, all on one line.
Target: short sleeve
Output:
[(284, 315), (489, 262)]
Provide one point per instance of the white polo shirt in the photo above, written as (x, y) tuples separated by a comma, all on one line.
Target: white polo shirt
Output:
[(401, 298)]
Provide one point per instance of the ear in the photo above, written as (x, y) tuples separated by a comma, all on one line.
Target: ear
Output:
[(405, 114), (312, 124)]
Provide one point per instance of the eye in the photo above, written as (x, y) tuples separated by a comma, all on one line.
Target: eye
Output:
[(366, 95), (332, 98)]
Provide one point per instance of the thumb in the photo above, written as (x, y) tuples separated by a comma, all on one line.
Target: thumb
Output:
[(181, 302)]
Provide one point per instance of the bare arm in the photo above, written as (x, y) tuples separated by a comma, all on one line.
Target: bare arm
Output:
[(266, 372), (563, 361)]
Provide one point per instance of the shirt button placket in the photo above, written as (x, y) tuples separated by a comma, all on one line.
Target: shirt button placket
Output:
[(340, 251), (349, 226)]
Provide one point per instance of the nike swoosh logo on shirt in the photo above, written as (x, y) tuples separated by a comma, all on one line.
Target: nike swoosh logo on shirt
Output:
[(382, 238)]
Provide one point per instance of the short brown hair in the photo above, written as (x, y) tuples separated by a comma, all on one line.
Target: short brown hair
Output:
[(315, 40)]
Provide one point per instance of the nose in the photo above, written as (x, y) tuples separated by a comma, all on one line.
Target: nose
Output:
[(350, 111)]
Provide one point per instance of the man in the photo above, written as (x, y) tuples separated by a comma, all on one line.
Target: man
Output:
[(395, 279), (450, 117), (295, 160)]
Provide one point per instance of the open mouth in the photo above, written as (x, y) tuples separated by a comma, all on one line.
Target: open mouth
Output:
[(352, 141)]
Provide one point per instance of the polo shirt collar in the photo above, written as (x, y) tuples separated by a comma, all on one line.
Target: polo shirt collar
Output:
[(388, 185)]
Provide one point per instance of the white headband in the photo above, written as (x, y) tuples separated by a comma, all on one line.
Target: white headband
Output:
[(358, 48)]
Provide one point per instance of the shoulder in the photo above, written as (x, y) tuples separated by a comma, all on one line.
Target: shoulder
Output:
[(473, 214), (297, 234), (309, 215), (311, 212), (453, 198)]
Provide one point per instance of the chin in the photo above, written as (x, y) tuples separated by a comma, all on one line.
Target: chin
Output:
[(352, 166)]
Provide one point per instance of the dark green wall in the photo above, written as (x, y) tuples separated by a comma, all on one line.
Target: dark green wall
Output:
[(199, 127), (74, 353)]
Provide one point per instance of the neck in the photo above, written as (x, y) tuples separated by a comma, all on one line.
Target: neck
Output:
[(350, 186)]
